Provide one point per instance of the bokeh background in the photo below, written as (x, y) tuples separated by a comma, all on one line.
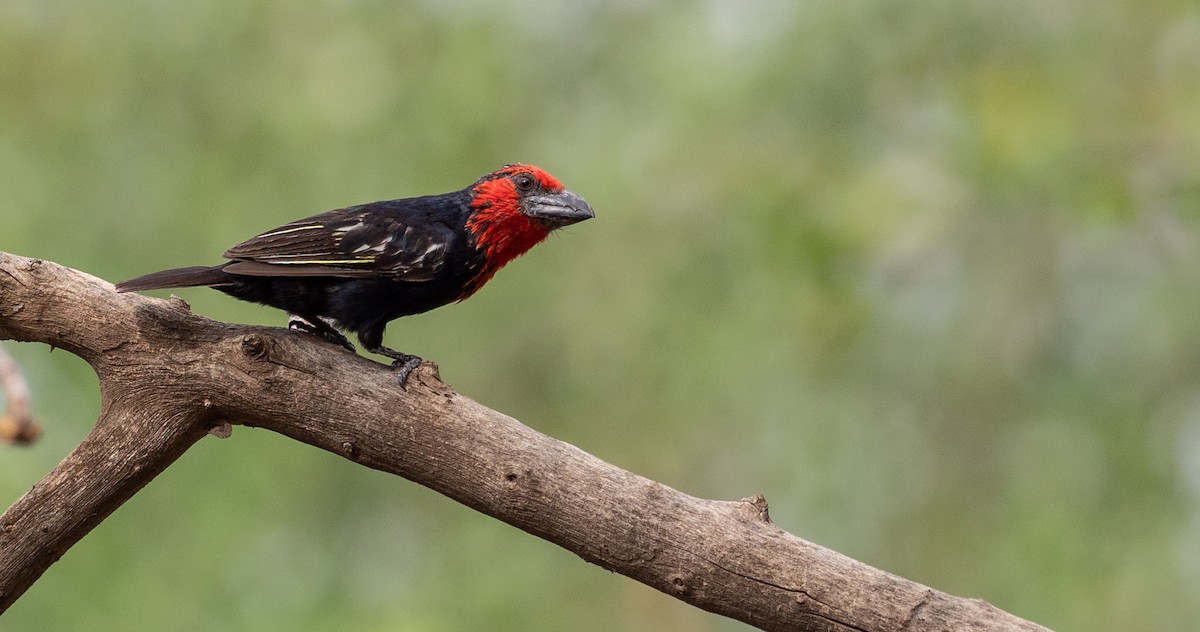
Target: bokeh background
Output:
[(925, 274)]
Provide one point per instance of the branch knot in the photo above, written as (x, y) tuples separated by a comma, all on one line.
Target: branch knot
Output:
[(254, 346), (756, 507)]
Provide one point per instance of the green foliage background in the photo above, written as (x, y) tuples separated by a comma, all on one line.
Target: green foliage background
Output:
[(925, 274)]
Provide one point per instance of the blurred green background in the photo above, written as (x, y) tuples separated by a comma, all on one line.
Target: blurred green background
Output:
[(925, 274)]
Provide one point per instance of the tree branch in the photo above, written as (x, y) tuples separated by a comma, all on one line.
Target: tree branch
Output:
[(168, 377)]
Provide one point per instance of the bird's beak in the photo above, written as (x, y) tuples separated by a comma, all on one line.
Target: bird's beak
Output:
[(556, 210)]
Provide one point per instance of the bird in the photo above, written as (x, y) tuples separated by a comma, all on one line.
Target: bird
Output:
[(357, 268)]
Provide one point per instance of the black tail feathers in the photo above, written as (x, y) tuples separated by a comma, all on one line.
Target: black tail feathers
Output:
[(179, 277)]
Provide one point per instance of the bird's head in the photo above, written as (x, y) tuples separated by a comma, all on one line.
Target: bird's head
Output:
[(529, 191), (513, 209), (517, 206)]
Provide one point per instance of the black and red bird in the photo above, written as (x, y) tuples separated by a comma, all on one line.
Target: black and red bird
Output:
[(360, 267)]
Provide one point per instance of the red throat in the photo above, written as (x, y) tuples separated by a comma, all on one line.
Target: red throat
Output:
[(501, 230)]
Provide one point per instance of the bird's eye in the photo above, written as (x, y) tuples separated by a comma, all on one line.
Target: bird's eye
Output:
[(525, 182)]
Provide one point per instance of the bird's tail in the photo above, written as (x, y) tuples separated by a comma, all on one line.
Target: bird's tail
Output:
[(178, 277)]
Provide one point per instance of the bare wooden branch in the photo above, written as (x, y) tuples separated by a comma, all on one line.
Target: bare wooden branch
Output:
[(167, 377)]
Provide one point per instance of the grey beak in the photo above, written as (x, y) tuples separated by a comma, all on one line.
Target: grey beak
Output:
[(558, 209)]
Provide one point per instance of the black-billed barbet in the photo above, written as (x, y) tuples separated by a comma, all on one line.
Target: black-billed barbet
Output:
[(360, 267)]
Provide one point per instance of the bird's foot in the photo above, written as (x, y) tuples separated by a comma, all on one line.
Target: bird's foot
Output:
[(402, 363), (319, 328), (404, 366)]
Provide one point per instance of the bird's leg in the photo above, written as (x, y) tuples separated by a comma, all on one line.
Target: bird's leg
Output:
[(316, 326), (402, 363)]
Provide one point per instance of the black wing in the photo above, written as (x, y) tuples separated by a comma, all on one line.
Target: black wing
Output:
[(360, 241)]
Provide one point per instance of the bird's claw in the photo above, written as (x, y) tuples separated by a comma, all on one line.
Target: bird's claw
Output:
[(404, 366), (326, 333)]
